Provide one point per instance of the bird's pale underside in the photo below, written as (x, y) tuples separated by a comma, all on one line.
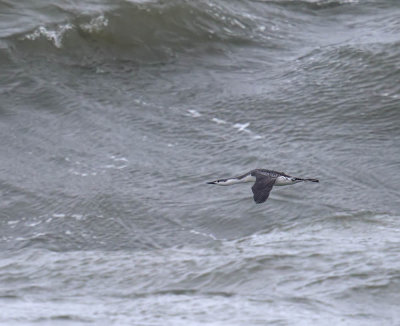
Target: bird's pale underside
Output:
[(263, 180)]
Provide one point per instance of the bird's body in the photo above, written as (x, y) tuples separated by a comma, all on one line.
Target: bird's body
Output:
[(263, 180)]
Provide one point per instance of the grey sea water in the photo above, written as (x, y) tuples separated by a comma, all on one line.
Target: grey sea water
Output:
[(115, 114)]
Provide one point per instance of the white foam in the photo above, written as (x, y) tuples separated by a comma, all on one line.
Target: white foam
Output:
[(262, 28), (33, 224), (238, 23), (113, 166), (208, 235), (218, 121), (118, 158), (95, 25), (78, 217), (54, 36), (241, 126), (194, 113)]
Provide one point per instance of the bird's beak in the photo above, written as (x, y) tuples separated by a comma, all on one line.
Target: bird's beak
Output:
[(211, 183)]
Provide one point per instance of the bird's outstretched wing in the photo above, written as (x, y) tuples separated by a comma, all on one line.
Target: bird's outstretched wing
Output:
[(262, 187)]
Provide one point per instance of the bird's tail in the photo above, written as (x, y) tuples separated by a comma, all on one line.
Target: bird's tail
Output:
[(306, 179)]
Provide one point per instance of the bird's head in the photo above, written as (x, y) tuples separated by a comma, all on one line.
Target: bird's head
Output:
[(220, 182)]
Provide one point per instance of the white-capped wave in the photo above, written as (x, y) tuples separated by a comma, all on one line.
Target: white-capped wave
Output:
[(54, 36)]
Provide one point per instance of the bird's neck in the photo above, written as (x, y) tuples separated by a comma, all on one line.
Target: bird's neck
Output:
[(232, 181)]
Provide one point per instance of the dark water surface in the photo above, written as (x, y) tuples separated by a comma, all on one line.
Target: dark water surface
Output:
[(115, 114)]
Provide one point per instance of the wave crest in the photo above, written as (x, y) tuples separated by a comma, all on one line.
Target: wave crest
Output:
[(150, 30)]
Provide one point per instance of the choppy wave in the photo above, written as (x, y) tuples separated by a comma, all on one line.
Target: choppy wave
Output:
[(155, 30), (158, 30)]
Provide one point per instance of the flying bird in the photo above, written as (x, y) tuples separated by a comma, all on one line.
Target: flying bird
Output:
[(263, 180)]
